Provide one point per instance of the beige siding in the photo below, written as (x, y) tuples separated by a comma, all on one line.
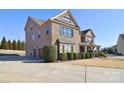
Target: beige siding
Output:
[(120, 46)]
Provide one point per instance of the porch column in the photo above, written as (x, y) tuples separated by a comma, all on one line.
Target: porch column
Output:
[(85, 48)]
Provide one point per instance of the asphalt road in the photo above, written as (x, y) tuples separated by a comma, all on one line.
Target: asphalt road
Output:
[(64, 72)]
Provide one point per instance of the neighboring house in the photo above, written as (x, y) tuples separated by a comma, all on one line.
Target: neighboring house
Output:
[(87, 41), (61, 30), (120, 44)]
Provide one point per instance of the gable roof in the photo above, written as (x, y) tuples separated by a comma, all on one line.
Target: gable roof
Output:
[(69, 12), (122, 36), (38, 21), (87, 30)]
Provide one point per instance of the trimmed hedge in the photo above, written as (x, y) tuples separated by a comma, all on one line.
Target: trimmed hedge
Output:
[(87, 55), (91, 54), (70, 56), (79, 55), (63, 57), (83, 56), (50, 53), (75, 55)]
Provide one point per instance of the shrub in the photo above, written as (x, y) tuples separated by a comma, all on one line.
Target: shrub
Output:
[(75, 55), (87, 55), (79, 55), (97, 54), (91, 54), (70, 56), (83, 56), (63, 57), (102, 54), (49, 53)]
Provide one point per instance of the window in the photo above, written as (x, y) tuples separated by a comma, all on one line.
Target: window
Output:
[(66, 31), (68, 48), (82, 38), (47, 30), (69, 32), (31, 28), (33, 37), (38, 35)]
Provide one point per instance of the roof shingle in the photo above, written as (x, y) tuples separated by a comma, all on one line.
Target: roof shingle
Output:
[(122, 36), (38, 21)]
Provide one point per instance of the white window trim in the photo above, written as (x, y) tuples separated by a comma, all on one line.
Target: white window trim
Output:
[(33, 37)]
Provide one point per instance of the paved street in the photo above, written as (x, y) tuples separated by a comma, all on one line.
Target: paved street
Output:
[(64, 72)]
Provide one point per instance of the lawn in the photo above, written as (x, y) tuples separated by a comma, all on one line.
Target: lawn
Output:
[(101, 62)]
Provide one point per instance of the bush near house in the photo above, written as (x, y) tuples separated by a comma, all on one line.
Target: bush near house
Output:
[(75, 55), (96, 54), (91, 54), (100, 54), (63, 57), (70, 56), (87, 55), (50, 53), (83, 56), (79, 55)]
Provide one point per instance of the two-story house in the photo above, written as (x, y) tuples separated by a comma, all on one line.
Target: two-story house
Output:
[(61, 30), (87, 41)]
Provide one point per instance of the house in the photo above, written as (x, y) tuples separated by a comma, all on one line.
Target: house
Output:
[(61, 30), (87, 41), (120, 44)]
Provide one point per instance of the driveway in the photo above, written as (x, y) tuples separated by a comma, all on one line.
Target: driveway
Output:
[(104, 75), (64, 72), (40, 72), (117, 57)]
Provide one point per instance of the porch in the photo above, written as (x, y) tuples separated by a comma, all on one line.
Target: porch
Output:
[(88, 47)]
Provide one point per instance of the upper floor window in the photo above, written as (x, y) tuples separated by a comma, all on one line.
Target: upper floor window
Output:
[(31, 28), (33, 37), (47, 29), (38, 35), (83, 39), (66, 31), (90, 39)]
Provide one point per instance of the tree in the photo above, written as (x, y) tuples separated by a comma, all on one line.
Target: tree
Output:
[(4, 44), (18, 45), (9, 45), (22, 45), (14, 45)]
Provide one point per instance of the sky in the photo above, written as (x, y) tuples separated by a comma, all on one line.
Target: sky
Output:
[(106, 24)]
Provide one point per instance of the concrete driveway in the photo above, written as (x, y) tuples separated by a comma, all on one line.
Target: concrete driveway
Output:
[(64, 72), (40, 72)]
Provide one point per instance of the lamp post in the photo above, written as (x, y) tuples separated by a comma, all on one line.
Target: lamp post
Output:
[(85, 74)]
